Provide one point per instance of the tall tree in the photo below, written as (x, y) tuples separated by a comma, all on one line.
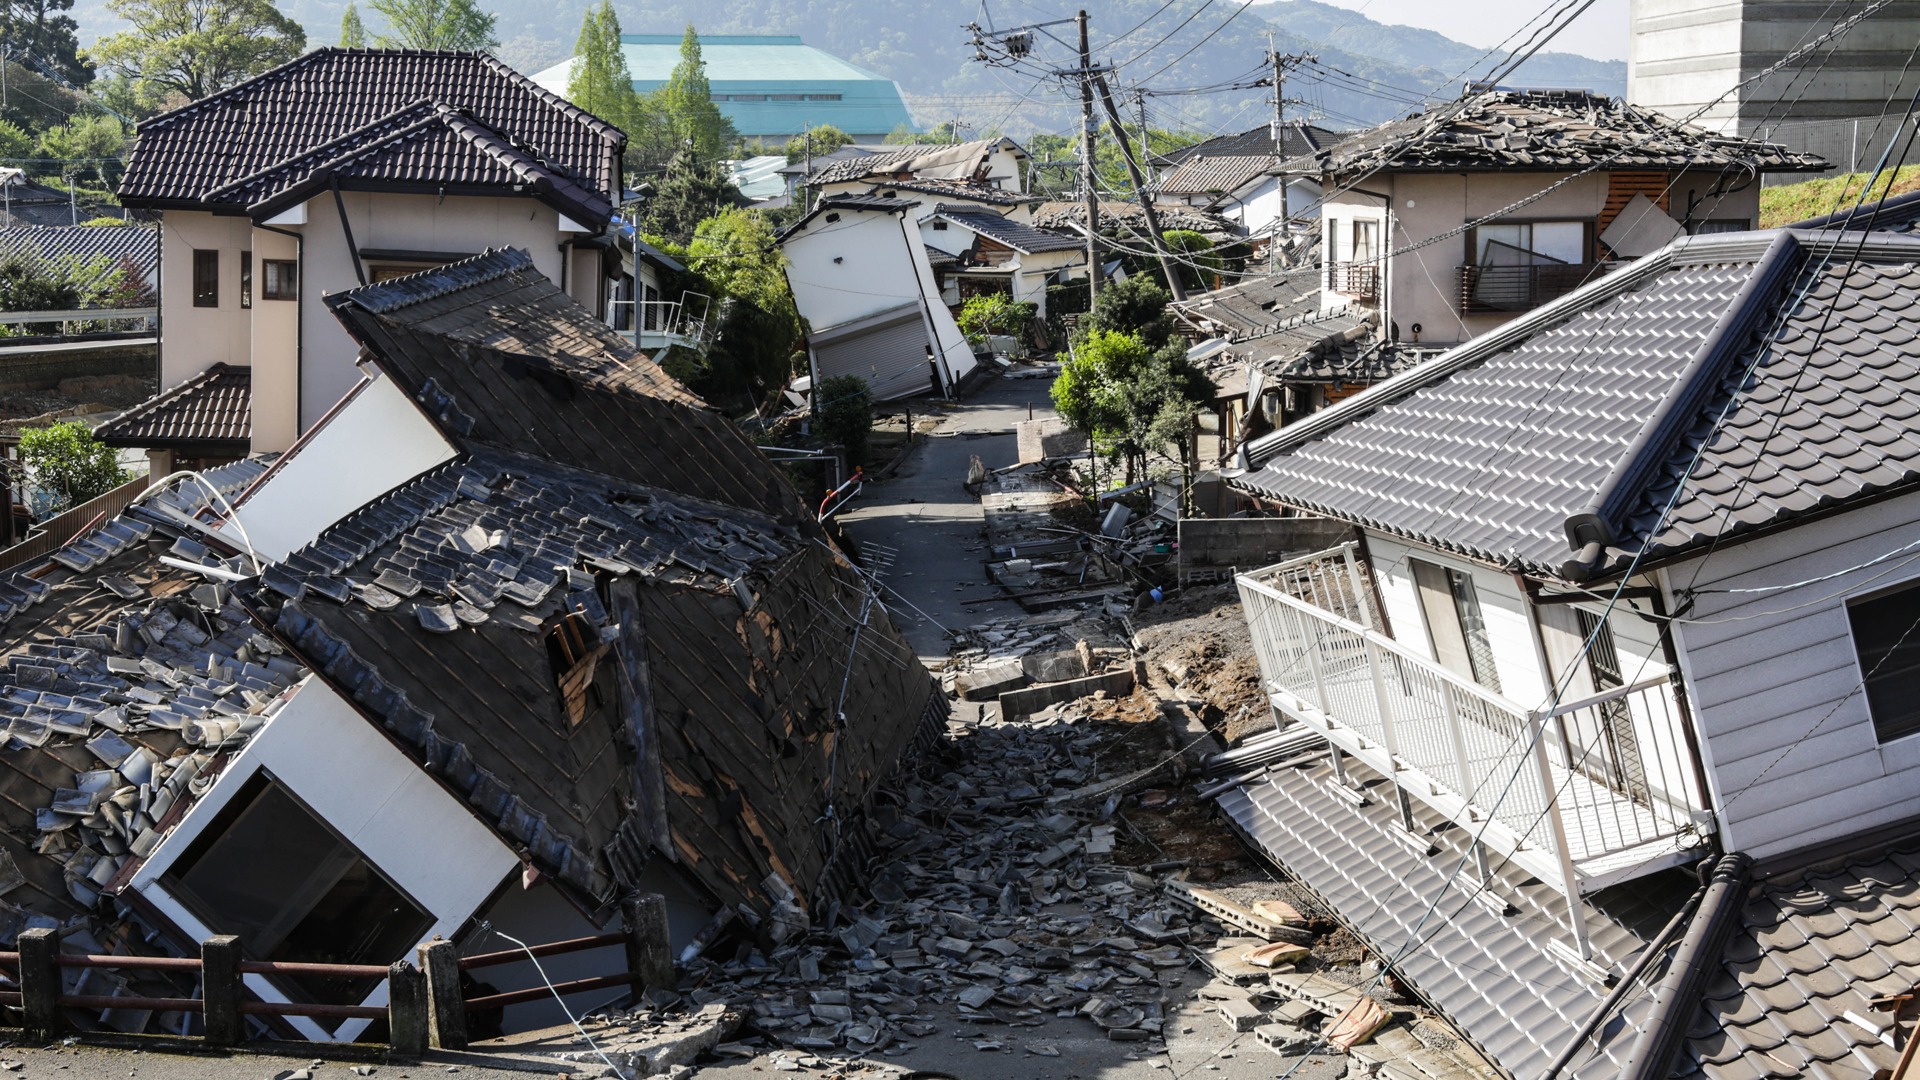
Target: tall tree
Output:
[(198, 47), (353, 32), (687, 100), (37, 34), (436, 24), (600, 82), (96, 143), (693, 190)]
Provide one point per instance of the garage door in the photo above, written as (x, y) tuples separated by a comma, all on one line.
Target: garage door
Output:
[(889, 352)]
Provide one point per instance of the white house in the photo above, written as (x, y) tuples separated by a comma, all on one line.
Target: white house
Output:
[(1631, 585), (862, 280), (337, 169), (997, 253)]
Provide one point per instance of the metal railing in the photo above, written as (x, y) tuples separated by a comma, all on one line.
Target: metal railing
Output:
[(657, 323), (1485, 289), (1359, 280), (1582, 794)]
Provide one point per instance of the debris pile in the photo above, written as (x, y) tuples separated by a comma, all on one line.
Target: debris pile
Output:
[(1198, 641)]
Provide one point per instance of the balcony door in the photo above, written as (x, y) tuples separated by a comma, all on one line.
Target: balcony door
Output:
[(1455, 624), (1603, 741)]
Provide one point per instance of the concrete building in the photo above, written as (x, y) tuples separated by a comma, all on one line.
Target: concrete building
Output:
[(1686, 56), (771, 86)]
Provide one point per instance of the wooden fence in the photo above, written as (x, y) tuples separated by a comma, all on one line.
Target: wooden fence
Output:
[(61, 529)]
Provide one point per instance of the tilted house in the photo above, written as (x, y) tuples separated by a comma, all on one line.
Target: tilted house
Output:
[(1631, 585), (1457, 218), (992, 253), (547, 632), (338, 169)]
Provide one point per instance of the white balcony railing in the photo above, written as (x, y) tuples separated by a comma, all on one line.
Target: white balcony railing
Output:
[(1582, 794)]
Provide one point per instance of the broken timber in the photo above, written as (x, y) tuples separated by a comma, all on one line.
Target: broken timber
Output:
[(637, 715)]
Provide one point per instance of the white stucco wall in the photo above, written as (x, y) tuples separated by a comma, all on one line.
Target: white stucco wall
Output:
[(422, 838), (193, 339)]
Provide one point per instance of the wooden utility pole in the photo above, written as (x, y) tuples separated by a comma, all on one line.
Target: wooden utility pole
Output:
[(1281, 62), (1089, 191)]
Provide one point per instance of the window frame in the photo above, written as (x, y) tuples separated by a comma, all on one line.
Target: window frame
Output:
[(246, 279), (1886, 729), (1459, 590), (206, 277), (272, 289), (1588, 236)]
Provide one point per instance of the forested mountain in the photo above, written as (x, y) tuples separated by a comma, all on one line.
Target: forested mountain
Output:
[(1369, 71)]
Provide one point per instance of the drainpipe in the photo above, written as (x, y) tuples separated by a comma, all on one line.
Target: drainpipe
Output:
[(300, 315), (1663, 624), (346, 229), (1679, 991)]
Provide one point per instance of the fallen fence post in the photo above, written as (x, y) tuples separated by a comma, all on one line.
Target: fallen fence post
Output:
[(220, 990), (407, 1008), (446, 1009), (39, 982), (649, 949)]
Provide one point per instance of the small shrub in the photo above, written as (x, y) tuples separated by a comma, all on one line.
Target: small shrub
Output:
[(846, 413), (994, 313), (68, 461)]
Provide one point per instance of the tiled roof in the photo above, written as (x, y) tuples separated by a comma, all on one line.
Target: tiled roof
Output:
[(1200, 175), (957, 161), (1574, 422), (1252, 306), (214, 408), (1022, 238), (423, 143), (139, 244), (1546, 130), (1492, 973), (1900, 214), (184, 156), (1810, 949), (956, 189), (1062, 215), (503, 359), (1300, 138)]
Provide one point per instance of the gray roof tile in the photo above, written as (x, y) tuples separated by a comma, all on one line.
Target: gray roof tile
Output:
[(214, 408), (1016, 235)]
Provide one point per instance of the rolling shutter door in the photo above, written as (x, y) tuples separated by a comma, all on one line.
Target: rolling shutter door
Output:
[(891, 356)]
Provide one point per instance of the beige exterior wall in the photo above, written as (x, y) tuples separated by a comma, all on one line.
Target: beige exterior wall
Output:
[(193, 339), (1422, 287), (276, 338)]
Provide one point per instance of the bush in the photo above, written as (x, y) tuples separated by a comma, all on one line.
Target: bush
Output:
[(995, 313), (846, 413), (68, 461)]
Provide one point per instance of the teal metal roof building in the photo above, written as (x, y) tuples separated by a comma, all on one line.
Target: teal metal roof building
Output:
[(770, 86)]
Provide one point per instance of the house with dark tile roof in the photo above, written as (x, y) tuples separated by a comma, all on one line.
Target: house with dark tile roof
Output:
[(1455, 219), (1631, 585), (343, 168), (135, 245), (521, 634), (993, 252), (1239, 176)]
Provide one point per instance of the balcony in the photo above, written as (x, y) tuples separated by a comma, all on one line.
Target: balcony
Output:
[(657, 324), (1582, 794), (1495, 289), (1359, 280)]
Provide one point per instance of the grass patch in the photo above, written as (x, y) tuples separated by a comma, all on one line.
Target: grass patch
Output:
[(1788, 203)]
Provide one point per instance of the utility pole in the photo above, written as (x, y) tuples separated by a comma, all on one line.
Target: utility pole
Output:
[(1146, 139), (1087, 128), (1140, 191), (1281, 62)]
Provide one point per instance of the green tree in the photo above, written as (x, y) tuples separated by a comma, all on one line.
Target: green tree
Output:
[(846, 413), (693, 189), (687, 101), (135, 99), (600, 82), (14, 143), (29, 282), (901, 135), (1130, 399), (436, 24), (1136, 306), (41, 29), (821, 140), (66, 460), (1192, 252), (97, 143), (353, 32), (198, 47), (995, 313)]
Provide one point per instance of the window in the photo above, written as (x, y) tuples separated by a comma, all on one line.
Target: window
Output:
[(1886, 638), (1366, 241), (246, 279), (1519, 265), (268, 869), (206, 278), (279, 279), (1455, 624)]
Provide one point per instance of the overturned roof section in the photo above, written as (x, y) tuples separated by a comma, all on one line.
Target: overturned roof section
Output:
[(960, 161), (1745, 379), (1546, 130), (211, 413), (435, 148), (607, 623), (501, 358), (185, 158), (1251, 307)]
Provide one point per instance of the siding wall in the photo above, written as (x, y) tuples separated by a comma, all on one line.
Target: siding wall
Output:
[(1790, 745)]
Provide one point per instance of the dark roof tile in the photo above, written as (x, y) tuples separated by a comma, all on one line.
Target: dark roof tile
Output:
[(213, 407), (1022, 238)]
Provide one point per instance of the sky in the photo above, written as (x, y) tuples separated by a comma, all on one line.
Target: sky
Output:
[(1601, 33)]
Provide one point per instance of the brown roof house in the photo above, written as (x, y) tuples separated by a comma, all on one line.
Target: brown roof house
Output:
[(1616, 671), (519, 633), (338, 169)]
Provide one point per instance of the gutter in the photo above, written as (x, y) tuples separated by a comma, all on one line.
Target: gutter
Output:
[(1651, 1057)]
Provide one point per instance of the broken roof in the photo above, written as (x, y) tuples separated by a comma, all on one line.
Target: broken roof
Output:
[(425, 143), (1020, 237), (1073, 215), (1251, 307), (1300, 138), (185, 158), (959, 161), (1554, 443), (958, 189), (1546, 130), (212, 412)]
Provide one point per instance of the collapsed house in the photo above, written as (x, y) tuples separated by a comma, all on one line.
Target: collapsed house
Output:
[(521, 631)]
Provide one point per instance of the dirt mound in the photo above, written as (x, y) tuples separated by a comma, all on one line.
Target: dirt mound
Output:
[(1198, 640)]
